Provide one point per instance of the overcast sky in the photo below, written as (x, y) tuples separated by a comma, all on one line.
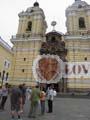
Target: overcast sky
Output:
[(53, 9)]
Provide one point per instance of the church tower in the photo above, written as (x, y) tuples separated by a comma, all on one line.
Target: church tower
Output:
[(27, 43), (78, 18), (77, 40), (78, 31)]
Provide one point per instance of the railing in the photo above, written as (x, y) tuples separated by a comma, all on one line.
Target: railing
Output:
[(23, 36), (83, 32)]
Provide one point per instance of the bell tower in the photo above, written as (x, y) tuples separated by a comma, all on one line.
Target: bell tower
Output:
[(32, 22), (27, 43), (78, 18), (77, 40), (78, 31)]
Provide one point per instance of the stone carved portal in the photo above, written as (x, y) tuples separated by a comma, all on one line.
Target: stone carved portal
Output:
[(55, 45), (48, 69)]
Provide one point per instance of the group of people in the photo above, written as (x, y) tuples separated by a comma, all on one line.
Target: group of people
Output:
[(17, 100), (39, 97), (36, 95)]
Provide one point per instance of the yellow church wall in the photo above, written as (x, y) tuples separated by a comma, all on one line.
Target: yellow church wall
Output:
[(79, 83), (24, 55), (79, 86), (78, 50), (78, 56), (5, 56)]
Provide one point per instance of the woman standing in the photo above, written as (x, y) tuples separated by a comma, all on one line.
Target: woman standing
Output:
[(42, 101)]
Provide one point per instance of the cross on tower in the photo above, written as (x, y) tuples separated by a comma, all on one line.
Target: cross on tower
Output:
[(53, 23)]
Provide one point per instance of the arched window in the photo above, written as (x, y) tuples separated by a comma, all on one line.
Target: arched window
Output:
[(29, 26), (81, 22)]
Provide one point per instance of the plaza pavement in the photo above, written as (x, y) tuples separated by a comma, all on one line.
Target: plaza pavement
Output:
[(64, 109)]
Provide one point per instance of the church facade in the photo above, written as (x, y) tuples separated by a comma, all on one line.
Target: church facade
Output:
[(32, 40)]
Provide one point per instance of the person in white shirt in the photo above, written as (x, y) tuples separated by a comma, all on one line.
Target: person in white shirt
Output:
[(4, 96), (28, 93), (50, 96)]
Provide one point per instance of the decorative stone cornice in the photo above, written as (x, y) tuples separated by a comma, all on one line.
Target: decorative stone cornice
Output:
[(26, 38), (78, 48), (5, 45), (25, 49), (75, 37), (85, 81)]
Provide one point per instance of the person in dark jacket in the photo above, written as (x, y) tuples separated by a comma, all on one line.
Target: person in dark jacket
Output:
[(16, 102)]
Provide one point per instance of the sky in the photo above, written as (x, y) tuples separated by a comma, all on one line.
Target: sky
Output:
[(54, 11)]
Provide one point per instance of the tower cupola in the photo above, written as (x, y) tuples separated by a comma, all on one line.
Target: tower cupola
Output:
[(32, 22), (36, 4)]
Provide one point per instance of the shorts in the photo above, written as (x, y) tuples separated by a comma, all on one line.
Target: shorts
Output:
[(15, 107)]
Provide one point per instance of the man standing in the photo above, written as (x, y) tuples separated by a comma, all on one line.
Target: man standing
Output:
[(50, 96), (35, 97), (23, 89), (16, 102), (42, 100)]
